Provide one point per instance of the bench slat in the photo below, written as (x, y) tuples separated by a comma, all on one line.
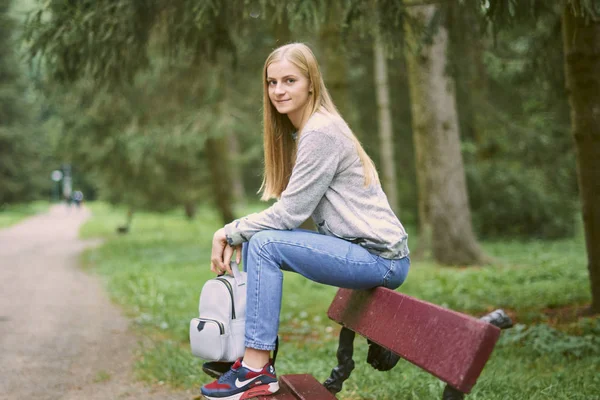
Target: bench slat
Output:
[(282, 394), (306, 387), (300, 387), (452, 346)]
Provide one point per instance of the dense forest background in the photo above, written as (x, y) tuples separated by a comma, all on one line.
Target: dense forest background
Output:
[(158, 106)]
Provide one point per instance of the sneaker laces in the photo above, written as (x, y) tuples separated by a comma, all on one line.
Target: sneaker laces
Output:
[(227, 374)]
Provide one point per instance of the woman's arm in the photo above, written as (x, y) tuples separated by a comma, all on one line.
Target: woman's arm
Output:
[(317, 161)]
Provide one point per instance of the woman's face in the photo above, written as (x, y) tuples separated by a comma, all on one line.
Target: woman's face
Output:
[(288, 90)]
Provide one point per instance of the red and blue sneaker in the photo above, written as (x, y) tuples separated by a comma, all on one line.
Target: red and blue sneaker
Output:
[(240, 383)]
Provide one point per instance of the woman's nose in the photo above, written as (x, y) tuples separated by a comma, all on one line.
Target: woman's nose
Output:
[(279, 89)]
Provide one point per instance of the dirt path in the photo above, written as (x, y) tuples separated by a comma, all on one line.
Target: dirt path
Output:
[(60, 336)]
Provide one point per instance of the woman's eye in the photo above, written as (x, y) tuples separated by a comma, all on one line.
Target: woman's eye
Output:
[(291, 80)]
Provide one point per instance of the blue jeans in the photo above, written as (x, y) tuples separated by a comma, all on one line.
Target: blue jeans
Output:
[(320, 258)]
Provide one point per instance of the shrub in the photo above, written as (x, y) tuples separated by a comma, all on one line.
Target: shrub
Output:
[(508, 200)]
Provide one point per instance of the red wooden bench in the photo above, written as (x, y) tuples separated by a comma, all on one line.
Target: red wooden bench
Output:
[(452, 346)]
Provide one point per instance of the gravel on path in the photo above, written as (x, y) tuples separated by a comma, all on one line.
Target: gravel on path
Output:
[(60, 335)]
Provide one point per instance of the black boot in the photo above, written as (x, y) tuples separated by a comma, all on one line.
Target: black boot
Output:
[(345, 363), (452, 394), (381, 358), (215, 368)]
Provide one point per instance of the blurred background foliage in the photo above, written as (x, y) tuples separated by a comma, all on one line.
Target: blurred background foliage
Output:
[(24, 147), (135, 125)]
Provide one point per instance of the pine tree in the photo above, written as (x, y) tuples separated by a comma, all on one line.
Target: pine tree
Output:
[(22, 149)]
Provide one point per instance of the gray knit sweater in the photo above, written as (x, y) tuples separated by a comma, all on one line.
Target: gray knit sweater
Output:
[(327, 184)]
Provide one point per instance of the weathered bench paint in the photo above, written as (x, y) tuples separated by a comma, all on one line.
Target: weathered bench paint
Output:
[(452, 346)]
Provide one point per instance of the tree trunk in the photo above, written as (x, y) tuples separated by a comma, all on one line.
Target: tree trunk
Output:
[(281, 30), (333, 61), (123, 229), (190, 210), (237, 178), (444, 213), (386, 134), (216, 156), (471, 76), (581, 39)]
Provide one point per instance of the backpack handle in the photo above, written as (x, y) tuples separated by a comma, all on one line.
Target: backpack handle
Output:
[(240, 279)]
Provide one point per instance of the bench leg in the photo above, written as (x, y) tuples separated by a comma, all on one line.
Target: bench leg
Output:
[(345, 363), (452, 394)]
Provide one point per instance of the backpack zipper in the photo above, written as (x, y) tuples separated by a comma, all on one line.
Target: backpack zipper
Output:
[(228, 285), (221, 326)]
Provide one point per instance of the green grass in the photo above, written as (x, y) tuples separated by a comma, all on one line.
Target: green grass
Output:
[(12, 214), (157, 270)]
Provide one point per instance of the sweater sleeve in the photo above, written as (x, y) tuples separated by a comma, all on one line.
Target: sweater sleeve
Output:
[(317, 161)]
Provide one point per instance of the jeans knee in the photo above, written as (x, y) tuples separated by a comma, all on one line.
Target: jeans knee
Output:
[(264, 244), (261, 238)]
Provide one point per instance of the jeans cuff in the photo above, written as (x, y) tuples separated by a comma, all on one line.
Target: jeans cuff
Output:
[(259, 346)]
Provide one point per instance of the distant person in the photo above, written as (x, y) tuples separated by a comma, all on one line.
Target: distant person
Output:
[(78, 198), (314, 167)]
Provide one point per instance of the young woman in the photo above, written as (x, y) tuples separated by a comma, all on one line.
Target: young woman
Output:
[(315, 167)]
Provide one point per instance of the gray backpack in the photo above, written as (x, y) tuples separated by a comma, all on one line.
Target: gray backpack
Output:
[(218, 333)]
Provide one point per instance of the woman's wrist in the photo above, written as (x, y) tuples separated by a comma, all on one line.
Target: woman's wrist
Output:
[(230, 235)]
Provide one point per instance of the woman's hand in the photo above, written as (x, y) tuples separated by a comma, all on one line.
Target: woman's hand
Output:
[(221, 253), (219, 244)]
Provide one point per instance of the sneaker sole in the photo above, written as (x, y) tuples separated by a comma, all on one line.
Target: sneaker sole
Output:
[(263, 390)]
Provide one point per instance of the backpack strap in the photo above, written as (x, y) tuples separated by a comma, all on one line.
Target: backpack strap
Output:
[(240, 279)]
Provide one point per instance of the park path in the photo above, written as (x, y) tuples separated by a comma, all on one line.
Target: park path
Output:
[(60, 336)]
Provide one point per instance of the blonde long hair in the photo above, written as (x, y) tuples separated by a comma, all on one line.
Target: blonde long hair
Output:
[(279, 145)]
